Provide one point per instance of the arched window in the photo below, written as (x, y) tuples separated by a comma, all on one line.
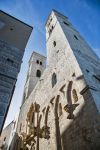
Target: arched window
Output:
[(38, 73), (40, 62), (37, 61), (54, 43), (54, 79)]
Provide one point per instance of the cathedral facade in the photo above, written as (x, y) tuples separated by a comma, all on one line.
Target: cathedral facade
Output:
[(61, 108)]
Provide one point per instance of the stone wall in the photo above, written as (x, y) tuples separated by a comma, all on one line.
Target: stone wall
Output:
[(10, 61)]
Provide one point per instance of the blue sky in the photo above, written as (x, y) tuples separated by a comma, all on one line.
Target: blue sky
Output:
[(83, 14)]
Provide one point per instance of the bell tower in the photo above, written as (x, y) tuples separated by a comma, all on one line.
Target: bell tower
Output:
[(63, 38), (37, 65)]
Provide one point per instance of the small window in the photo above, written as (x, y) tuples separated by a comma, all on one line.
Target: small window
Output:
[(33, 117), (4, 138), (50, 19), (38, 73), (75, 37), (37, 61), (66, 23), (54, 79), (73, 75), (54, 43), (87, 70), (50, 31), (40, 62), (10, 61), (11, 29), (52, 27)]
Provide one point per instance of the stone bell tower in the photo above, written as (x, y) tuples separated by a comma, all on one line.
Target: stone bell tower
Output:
[(37, 65), (82, 69), (63, 38)]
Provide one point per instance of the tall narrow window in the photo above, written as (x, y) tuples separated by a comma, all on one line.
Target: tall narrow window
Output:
[(75, 37), (54, 79), (40, 62), (37, 61), (38, 73), (54, 43), (66, 23)]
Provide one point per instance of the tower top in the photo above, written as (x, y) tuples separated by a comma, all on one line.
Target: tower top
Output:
[(55, 12), (35, 54)]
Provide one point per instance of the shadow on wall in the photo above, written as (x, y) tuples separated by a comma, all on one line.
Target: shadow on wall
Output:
[(16, 143), (84, 132)]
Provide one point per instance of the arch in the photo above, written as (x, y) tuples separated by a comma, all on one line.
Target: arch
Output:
[(54, 79), (40, 62), (37, 61), (54, 43), (38, 73)]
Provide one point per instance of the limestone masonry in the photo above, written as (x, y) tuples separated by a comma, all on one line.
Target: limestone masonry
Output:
[(61, 103)]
